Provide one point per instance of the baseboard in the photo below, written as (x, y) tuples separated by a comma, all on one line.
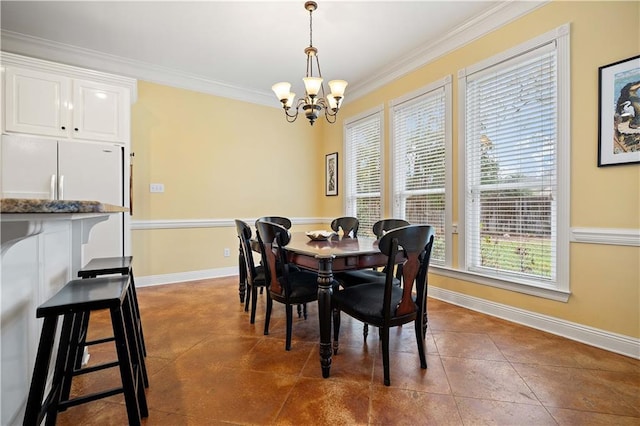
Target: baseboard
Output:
[(612, 342), (179, 277)]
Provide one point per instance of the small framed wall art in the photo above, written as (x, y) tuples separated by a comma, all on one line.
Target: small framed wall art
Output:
[(619, 113), (331, 174)]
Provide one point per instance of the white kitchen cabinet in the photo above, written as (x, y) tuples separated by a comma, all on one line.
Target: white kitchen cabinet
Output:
[(50, 104), (66, 170)]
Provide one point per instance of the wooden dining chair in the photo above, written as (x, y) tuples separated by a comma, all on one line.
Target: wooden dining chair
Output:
[(349, 226), (293, 286), (254, 275), (389, 305), (362, 276)]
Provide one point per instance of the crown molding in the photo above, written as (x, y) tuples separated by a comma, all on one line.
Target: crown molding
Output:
[(501, 14), (22, 44)]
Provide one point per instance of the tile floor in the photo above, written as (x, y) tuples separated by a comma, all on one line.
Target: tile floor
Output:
[(209, 366)]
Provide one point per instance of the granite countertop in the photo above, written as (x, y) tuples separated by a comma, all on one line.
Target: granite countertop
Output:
[(18, 205)]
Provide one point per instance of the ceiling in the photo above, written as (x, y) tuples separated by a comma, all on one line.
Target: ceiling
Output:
[(239, 49)]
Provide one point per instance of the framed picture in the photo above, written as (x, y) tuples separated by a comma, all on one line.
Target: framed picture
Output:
[(619, 113), (331, 174)]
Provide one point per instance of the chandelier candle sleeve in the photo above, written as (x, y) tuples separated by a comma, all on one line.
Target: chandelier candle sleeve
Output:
[(314, 100)]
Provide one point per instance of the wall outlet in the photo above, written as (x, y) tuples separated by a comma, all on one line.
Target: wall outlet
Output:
[(227, 252), (156, 187)]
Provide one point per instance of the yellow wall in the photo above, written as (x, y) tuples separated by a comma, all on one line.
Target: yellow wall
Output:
[(217, 160), (605, 280)]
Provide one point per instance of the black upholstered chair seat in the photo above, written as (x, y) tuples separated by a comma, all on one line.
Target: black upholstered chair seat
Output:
[(304, 288), (363, 301)]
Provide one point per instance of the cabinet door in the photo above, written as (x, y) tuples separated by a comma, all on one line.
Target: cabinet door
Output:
[(37, 102), (29, 167), (100, 111)]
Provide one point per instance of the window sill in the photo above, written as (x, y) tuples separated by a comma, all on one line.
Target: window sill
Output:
[(544, 292)]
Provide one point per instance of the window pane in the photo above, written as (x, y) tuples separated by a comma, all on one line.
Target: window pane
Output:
[(511, 167), (363, 171), (419, 164)]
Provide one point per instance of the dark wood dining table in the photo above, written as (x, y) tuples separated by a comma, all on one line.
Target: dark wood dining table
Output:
[(326, 257)]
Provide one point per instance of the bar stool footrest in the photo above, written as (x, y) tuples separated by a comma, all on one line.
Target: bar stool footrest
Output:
[(89, 398), (93, 368)]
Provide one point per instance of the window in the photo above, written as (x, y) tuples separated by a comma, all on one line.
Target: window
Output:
[(363, 167), (515, 166), (420, 134)]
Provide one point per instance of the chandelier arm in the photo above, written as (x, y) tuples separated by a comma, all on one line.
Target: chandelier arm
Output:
[(331, 118)]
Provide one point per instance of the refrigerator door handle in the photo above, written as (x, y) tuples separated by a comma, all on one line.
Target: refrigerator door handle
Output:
[(52, 188), (61, 188)]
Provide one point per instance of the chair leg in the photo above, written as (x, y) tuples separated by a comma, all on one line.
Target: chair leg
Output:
[(247, 298), (336, 330), (267, 318), (289, 310), (242, 281), (300, 311), (254, 302), (304, 310), (384, 334), (365, 330), (420, 339)]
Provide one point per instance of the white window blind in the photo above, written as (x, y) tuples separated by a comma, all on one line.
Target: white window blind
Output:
[(511, 167), (419, 168), (363, 177)]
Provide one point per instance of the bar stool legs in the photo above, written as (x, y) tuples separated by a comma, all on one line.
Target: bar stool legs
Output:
[(73, 302)]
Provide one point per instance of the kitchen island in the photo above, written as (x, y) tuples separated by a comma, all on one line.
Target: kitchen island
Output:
[(41, 250)]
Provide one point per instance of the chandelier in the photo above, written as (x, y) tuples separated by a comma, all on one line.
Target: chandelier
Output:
[(314, 96)]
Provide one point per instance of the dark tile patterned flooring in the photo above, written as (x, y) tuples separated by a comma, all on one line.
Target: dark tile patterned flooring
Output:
[(209, 366)]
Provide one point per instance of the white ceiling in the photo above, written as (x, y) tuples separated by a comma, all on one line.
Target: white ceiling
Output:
[(240, 48)]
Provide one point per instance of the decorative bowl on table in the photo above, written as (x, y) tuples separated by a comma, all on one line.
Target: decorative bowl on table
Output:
[(320, 235)]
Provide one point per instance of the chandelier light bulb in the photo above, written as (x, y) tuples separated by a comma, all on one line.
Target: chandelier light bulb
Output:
[(281, 90), (312, 85), (315, 98), (337, 88)]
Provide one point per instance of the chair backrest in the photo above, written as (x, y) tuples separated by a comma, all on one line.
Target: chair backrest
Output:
[(348, 224), (284, 221), (383, 226), (272, 236), (416, 241), (244, 235)]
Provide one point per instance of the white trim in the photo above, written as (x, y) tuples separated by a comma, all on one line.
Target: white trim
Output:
[(519, 287), (179, 277), (212, 223), (60, 52), (615, 237), (625, 345), (502, 14), (561, 281)]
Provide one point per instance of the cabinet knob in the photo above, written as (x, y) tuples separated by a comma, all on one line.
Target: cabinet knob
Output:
[(76, 129), (63, 128)]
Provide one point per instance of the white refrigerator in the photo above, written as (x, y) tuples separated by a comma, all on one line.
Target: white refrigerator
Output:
[(68, 170)]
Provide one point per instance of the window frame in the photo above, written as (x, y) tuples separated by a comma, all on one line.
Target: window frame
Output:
[(560, 288), (350, 208), (444, 84)]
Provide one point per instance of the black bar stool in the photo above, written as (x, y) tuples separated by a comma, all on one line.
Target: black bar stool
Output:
[(109, 266), (75, 300)]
